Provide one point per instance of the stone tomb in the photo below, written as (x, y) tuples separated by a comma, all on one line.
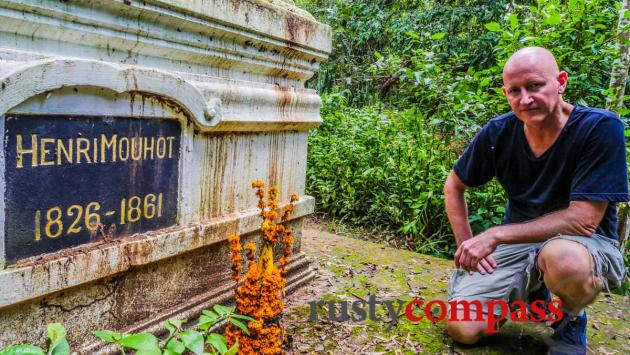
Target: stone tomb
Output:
[(132, 132)]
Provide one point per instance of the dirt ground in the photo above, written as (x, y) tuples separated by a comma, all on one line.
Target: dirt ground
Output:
[(351, 270)]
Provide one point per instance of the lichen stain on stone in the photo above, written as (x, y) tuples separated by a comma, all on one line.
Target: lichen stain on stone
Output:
[(298, 29), (213, 174)]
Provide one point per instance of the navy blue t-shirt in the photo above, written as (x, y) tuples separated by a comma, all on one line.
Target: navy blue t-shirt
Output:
[(587, 162)]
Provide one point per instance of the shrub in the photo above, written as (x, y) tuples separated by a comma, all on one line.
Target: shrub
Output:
[(385, 167)]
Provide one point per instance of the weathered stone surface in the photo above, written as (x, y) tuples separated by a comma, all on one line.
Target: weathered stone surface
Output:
[(350, 269), (231, 74)]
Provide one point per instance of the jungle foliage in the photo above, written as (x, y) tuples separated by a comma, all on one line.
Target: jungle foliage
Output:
[(410, 82)]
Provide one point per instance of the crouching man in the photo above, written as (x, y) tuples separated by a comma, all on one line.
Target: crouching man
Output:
[(563, 168)]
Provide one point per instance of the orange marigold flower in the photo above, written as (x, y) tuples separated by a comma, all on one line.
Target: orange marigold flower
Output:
[(271, 215), (270, 235), (273, 205), (288, 210), (256, 184), (250, 247), (265, 225), (236, 259), (274, 191), (294, 198), (235, 247), (250, 250)]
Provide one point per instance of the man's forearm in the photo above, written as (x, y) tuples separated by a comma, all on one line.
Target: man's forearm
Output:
[(580, 218), (457, 212), (458, 216)]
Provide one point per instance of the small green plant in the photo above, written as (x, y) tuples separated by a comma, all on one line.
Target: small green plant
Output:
[(179, 341), (57, 344)]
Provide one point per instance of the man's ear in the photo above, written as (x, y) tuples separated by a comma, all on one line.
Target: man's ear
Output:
[(504, 90), (563, 80)]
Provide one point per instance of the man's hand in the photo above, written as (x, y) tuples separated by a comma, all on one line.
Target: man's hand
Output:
[(457, 213), (486, 265), (474, 253)]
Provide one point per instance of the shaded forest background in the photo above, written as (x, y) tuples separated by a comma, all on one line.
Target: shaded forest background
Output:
[(409, 83)]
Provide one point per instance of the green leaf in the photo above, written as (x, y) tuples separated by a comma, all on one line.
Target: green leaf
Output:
[(493, 27), (241, 316), (240, 325), (107, 335), (172, 325), (218, 341), (626, 14), (233, 350), (141, 341), (175, 346), (513, 21), (378, 55), (412, 35), (438, 35), (22, 350), (149, 352), (553, 19), (209, 313), (58, 345), (62, 348), (417, 76), (222, 310), (193, 340), (207, 319), (177, 323), (56, 333)]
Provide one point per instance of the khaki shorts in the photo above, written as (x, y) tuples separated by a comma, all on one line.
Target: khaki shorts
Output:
[(517, 274)]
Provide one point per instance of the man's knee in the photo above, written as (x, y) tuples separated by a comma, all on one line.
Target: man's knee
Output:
[(466, 332), (569, 272), (565, 261)]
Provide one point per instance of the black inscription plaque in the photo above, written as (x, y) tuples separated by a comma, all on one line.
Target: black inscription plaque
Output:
[(71, 180)]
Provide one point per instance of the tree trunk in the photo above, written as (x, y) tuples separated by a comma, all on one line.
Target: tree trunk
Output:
[(618, 78), (622, 226), (619, 74)]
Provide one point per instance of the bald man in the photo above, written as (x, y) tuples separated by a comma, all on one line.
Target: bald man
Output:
[(563, 168)]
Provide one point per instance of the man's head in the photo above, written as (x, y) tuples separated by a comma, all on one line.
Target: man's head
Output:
[(533, 84)]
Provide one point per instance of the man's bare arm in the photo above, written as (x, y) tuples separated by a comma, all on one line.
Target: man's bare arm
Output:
[(457, 212), (456, 207), (580, 218)]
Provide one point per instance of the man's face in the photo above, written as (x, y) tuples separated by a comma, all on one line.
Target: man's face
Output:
[(533, 91)]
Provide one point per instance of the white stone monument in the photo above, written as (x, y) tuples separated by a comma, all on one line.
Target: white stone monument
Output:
[(132, 132)]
